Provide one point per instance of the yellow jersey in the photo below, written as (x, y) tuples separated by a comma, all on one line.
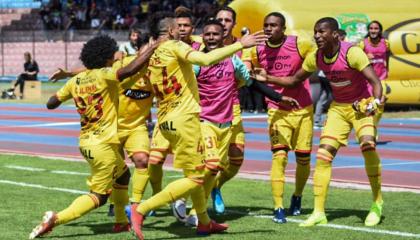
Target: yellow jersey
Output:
[(95, 93), (171, 74), (135, 99)]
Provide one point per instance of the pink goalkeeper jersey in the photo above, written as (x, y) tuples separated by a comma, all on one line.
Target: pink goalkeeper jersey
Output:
[(348, 85), (217, 85), (281, 62), (379, 53)]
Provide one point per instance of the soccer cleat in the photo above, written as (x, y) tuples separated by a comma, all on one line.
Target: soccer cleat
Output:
[(212, 227), (295, 205), (316, 218), (111, 210), (179, 209), (374, 216), (191, 220), (218, 204), (127, 211), (118, 227), (136, 221), (279, 216), (152, 213), (46, 226)]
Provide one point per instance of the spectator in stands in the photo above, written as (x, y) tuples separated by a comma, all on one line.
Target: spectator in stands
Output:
[(131, 47), (30, 73)]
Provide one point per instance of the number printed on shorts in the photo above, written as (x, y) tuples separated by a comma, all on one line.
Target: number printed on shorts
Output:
[(211, 142), (96, 100)]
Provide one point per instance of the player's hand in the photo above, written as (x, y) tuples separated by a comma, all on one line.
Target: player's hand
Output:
[(367, 106), (370, 56), (259, 74), (59, 75), (250, 40), (290, 101)]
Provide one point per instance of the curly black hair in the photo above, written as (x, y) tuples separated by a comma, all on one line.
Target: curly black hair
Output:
[(159, 23), (97, 51)]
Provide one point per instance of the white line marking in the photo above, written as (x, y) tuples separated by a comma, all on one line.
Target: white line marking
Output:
[(48, 124), (25, 168), (42, 187), (255, 117), (337, 226), (45, 170)]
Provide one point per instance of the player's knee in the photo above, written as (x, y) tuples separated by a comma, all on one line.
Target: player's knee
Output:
[(140, 160), (236, 150), (367, 143), (325, 154), (124, 179), (102, 198), (303, 158)]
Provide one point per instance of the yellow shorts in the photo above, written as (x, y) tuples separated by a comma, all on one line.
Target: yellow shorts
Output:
[(106, 164), (216, 143), (135, 141), (238, 133), (292, 130), (341, 119), (184, 136), (159, 147)]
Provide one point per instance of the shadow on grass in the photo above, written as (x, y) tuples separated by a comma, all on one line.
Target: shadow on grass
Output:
[(344, 213)]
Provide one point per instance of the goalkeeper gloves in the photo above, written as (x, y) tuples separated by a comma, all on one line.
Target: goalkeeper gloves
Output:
[(367, 106)]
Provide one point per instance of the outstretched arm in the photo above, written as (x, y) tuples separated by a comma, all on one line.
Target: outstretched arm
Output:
[(261, 75), (53, 102), (138, 63)]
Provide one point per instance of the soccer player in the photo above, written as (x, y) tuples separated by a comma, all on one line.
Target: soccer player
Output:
[(96, 99), (289, 129), (348, 69), (135, 101), (227, 16), (174, 83), (184, 19), (377, 49)]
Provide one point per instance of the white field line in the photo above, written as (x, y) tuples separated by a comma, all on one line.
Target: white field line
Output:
[(44, 125), (22, 184), (336, 226), (339, 183), (45, 170)]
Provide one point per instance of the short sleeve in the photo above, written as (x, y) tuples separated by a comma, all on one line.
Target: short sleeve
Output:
[(357, 58), (309, 64), (305, 47), (64, 93)]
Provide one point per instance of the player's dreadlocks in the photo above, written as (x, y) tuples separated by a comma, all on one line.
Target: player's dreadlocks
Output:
[(97, 51)]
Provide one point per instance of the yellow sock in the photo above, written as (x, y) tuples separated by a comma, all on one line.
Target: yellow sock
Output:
[(303, 169), (322, 177), (79, 207), (277, 177), (155, 171), (170, 193), (373, 170), (209, 180), (140, 179), (230, 171), (200, 204), (120, 193)]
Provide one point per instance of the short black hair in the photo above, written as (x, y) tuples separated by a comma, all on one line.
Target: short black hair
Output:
[(332, 23), (98, 51), (279, 15), (158, 23), (229, 9), (212, 21), (183, 12), (134, 30)]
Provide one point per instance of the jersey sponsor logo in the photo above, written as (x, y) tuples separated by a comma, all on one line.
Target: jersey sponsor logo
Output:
[(167, 126), (136, 94), (86, 153)]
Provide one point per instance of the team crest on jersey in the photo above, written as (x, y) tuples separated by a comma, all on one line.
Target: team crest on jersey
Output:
[(136, 94)]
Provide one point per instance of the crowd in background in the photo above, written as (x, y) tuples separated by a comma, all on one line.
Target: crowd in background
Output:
[(116, 14)]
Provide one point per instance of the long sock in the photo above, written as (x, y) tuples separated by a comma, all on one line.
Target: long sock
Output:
[(79, 207), (140, 179), (200, 204), (373, 169), (277, 177), (155, 171), (120, 193), (170, 193), (322, 177), (230, 171), (210, 173), (303, 169)]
